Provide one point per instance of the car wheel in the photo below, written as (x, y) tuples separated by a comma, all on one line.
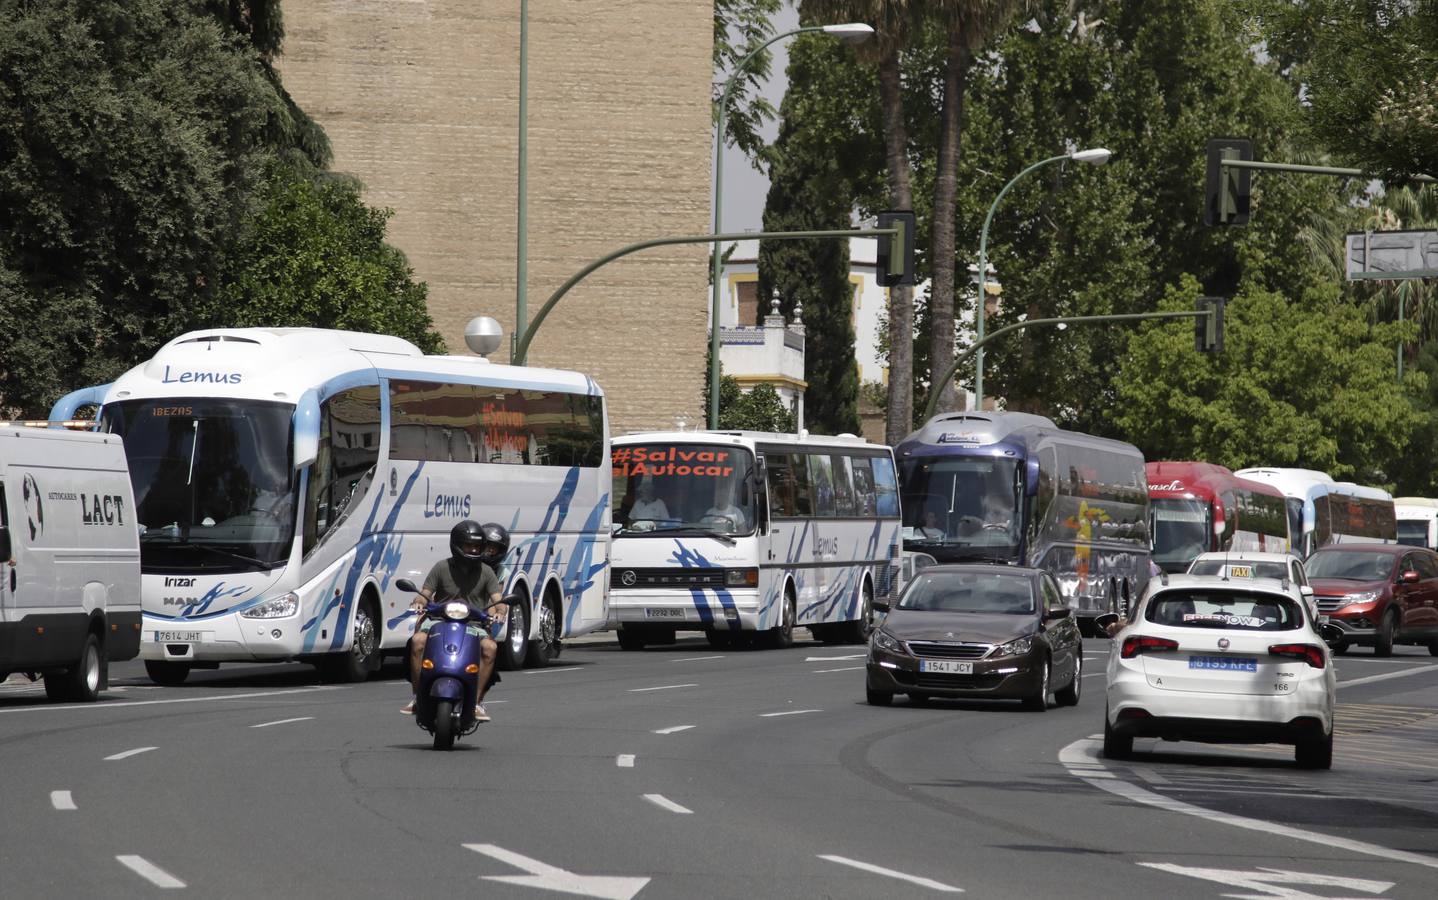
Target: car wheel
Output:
[(84, 679), (630, 639), (1115, 745), (1069, 696), (1315, 753), (1038, 701), (169, 674), (878, 698), (1387, 634)]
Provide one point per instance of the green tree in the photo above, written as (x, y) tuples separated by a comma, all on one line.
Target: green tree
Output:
[(315, 255), (1306, 381), (739, 27), (761, 409)]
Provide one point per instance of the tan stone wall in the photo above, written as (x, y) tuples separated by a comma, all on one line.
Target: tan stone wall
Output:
[(420, 99)]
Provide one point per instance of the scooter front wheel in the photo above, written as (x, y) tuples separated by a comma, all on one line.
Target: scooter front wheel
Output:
[(444, 724)]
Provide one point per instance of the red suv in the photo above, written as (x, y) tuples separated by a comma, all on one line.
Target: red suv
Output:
[(1379, 594)]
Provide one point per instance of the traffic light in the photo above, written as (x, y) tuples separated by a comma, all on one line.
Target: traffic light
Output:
[(895, 262), (1227, 189), (1208, 330)]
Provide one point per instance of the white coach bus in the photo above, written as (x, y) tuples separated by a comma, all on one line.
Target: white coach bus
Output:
[(285, 478), (1322, 511), (739, 534)]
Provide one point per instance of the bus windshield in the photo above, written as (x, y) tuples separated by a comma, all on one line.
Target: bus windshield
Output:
[(1181, 532), (962, 507), (674, 489), (214, 485), (1413, 532)]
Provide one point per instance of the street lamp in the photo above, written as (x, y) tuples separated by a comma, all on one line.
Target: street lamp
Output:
[(849, 33), (1096, 156)]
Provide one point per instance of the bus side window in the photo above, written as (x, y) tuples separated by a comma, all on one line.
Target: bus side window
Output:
[(821, 482), (863, 486), (781, 484), (803, 495), (843, 486), (348, 453), (886, 487)]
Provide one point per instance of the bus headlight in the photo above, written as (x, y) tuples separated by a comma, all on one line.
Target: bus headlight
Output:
[(741, 577), (274, 608)]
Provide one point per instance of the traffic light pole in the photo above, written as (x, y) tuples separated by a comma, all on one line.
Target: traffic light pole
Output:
[(521, 349), (1312, 170), (936, 387)]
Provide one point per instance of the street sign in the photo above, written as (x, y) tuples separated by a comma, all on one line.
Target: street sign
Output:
[(1395, 255)]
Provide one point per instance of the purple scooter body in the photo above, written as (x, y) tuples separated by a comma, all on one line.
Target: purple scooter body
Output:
[(449, 675)]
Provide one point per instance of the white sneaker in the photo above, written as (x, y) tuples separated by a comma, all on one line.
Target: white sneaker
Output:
[(408, 708), (479, 714)]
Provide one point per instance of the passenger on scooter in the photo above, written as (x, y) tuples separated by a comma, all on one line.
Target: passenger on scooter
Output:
[(463, 576)]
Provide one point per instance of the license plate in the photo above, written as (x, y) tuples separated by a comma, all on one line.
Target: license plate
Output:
[(177, 637), (946, 666), (1224, 663), (655, 613)]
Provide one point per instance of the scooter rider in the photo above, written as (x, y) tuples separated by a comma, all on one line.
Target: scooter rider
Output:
[(463, 576)]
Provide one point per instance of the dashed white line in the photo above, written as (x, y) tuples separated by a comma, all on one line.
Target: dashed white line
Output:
[(62, 800), (1416, 670), (129, 753), (624, 760), (662, 687), (788, 712), (150, 872), (129, 704), (283, 722), (673, 729), (695, 658), (890, 873), (834, 658), (552, 671), (664, 802), (844, 669)]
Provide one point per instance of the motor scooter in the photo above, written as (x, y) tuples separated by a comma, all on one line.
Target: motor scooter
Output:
[(449, 673)]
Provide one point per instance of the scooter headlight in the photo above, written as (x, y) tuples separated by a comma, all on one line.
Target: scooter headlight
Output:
[(456, 610)]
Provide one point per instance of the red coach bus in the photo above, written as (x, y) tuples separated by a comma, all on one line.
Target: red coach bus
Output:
[(1199, 507)]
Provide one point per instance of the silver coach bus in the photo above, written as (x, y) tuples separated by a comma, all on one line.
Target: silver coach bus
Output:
[(1016, 488)]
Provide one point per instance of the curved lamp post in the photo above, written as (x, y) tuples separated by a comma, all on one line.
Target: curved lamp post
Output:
[(1094, 157), (849, 33)]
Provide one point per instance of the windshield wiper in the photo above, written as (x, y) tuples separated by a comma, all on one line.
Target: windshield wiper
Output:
[(211, 548), (694, 529)]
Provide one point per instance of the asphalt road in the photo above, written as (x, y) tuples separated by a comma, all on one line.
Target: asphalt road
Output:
[(684, 772)]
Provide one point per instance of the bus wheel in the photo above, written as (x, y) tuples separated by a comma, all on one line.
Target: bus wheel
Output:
[(545, 648), (169, 674), (859, 630), (782, 635), (516, 640), (363, 657)]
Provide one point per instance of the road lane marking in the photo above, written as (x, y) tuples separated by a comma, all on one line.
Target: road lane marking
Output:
[(1148, 775), (664, 802), (624, 760), (844, 669), (1269, 880), (129, 753), (552, 671), (62, 800), (1081, 757), (695, 658), (150, 872), (789, 712), (283, 722), (1416, 670), (834, 658), (891, 873), (662, 687), (552, 878), (131, 704), (674, 729)]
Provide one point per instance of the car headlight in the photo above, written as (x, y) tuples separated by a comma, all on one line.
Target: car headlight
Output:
[(274, 608), (1362, 596), (1017, 647), (456, 610), (886, 642)]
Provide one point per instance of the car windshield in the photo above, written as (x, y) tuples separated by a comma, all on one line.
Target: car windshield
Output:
[(1224, 609), (961, 507), (1239, 568), (674, 488), (970, 592), (1353, 565), (214, 486), (1181, 532)]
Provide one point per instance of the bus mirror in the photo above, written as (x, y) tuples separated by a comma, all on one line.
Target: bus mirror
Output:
[(4, 544), (307, 430), (1031, 477)]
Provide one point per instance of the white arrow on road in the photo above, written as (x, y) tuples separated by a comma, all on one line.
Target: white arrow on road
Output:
[(548, 878), (1272, 881)]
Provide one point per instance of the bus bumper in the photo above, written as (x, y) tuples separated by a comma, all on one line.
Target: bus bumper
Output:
[(225, 638), (697, 609)]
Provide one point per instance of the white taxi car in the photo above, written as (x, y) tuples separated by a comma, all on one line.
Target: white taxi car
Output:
[(1222, 660)]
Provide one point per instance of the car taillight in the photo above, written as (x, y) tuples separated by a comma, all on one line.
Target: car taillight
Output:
[(1306, 652), (1142, 643)]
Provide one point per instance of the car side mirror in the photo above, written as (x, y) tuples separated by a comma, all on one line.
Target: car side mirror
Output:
[(1306, 590), (1409, 577), (1057, 612), (1332, 635), (1102, 622), (879, 606), (406, 585)]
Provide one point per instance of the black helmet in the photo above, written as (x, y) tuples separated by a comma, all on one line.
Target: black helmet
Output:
[(496, 544), (466, 543)]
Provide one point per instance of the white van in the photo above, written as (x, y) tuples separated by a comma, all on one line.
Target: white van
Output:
[(69, 558)]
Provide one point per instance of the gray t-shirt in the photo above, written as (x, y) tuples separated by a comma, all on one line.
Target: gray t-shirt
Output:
[(475, 584)]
